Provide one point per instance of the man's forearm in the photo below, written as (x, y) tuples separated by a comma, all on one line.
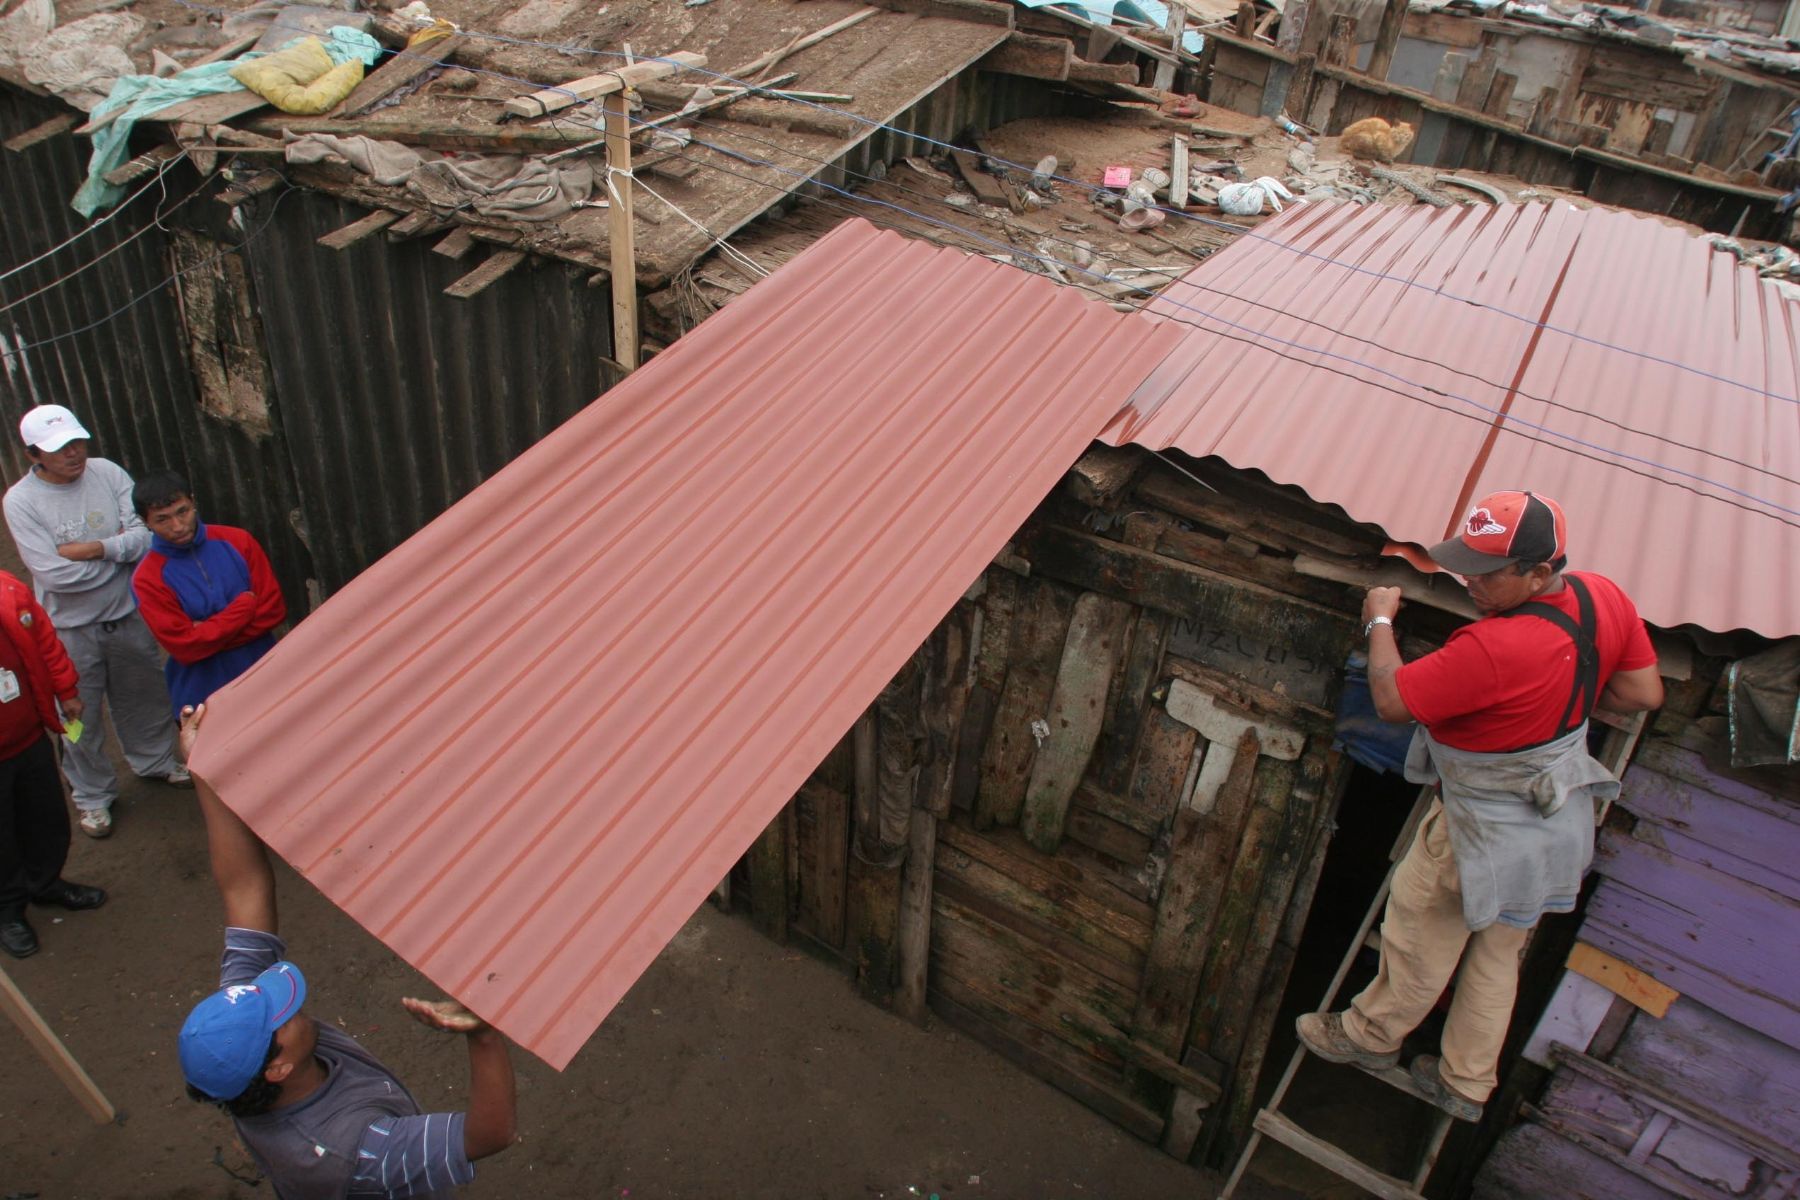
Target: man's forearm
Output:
[(492, 1122), (240, 865), (1384, 663)]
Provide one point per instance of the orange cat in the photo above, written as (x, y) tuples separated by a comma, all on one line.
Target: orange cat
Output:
[(1374, 138)]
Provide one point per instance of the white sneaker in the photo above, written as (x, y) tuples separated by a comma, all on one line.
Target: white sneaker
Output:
[(179, 777), (96, 822)]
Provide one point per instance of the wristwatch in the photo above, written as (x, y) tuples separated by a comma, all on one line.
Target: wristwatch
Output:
[(1374, 621)]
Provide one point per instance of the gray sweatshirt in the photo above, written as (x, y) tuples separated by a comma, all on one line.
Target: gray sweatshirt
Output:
[(95, 508)]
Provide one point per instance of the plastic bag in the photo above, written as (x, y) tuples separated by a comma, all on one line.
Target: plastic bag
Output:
[(300, 79), (1247, 199)]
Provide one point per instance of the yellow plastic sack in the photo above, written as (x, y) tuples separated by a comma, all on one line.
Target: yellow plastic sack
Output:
[(300, 79)]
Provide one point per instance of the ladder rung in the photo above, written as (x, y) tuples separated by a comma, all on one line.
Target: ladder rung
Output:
[(1333, 1159)]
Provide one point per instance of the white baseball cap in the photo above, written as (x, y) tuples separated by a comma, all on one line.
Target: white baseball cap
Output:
[(50, 427)]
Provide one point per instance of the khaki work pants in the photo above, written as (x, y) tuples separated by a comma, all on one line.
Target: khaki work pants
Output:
[(1423, 936)]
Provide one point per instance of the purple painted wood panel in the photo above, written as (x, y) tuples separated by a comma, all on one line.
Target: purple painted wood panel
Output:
[(1532, 1163), (1744, 787), (1664, 837), (1719, 1064), (1751, 833)]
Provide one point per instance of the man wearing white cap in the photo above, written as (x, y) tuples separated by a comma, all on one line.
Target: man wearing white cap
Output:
[(1502, 712), (78, 532)]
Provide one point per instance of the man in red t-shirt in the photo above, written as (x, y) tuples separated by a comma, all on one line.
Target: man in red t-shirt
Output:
[(1504, 706), (35, 677)]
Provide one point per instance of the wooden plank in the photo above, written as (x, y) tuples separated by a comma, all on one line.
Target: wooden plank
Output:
[(1005, 903), (1201, 849), (1179, 174), (1097, 914), (1278, 1127), (456, 244), (915, 916), (1387, 36), (1498, 101), (987, 188), (1718, 1064), (415, 225), (800, 43), (1114, 839), (1622, 979), (1039, 630), (607, 83), (142, 165), (498, 264), (1096, 564), (1042, 1056), (1477, 81), (41, 132), (1264, 515), (210, 110), (1117, 748), (49, 1047), (1160, 774), (1031, 56), (399, 72), (621, 230), (768, 858), (1092, 649), (1340, 43), (368, 225), (871, 926), (825, 812)]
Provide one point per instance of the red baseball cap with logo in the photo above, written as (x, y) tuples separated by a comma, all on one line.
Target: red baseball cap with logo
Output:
[(1502, 528)]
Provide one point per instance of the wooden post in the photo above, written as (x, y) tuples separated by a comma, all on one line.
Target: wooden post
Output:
[(1500, 94), (915, 915), (52, 1051), (865, 791), (1340, 45), (1293, 27), (1176, 25), (1178, 172), (1386, 38), (620, 233), (1300, 86), (1543, 111), (1246, 20)]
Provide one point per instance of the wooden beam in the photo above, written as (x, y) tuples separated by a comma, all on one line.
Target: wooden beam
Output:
[(366, 226), (238, 193), (398, 72), (475, 281), (1500, 94), (812, 39), (621, 232), (49, 1047), (1386, 38), (231, 49), (1164, 77), (609, 83), (1340, 44), (43, 132), (142, 165), (1031, 56), (915, 915), (1178, 173), (456, 244), (414, 225), (1245, 25), (1077, 708)]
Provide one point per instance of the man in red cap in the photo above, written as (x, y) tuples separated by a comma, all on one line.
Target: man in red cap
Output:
[(1502, 711)]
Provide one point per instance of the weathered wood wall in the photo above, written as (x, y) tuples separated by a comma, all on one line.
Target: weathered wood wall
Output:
[(1537, 138), (1113, 763)]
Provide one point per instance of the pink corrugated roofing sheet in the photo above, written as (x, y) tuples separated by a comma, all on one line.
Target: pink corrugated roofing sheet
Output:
[(1398, 362), (523, 747)]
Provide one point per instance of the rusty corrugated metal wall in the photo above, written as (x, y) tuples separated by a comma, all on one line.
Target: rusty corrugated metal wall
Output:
[(331, 402)]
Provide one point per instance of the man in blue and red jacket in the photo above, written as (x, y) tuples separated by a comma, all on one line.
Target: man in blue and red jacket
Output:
[(36, 677), (206, 591)]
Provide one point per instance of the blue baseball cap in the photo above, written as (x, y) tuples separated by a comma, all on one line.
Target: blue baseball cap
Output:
[(225, 1040)]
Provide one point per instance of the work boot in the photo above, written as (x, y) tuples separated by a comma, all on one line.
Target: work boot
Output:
[(1325, 1036), (1429, 1079)]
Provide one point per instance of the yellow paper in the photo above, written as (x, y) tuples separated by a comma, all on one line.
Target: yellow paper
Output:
[(72, 730)]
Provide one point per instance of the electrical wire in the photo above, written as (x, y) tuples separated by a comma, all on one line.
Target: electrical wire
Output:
[(1507, 422), (155, 223), (19, 350), (95, 224), (1286, 247)]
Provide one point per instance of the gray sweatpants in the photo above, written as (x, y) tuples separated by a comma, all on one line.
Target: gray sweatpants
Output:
[(120, 662)]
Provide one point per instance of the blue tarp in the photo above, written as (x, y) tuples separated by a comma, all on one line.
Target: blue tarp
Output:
[(1103, 12), (1361, 733)]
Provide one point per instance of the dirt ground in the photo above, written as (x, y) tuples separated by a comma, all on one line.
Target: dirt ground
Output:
[(736, 1067)]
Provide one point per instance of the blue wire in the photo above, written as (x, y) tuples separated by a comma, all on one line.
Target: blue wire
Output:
[(1508, 421)]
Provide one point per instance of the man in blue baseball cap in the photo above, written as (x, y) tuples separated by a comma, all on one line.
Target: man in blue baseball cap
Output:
[(322, 1117)]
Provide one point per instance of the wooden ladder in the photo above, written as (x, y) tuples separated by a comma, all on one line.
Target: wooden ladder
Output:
[(1621, 738)]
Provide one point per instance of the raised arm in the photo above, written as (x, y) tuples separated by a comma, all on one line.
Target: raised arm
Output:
[(240, 862), (1633, 691), (492, 1122)]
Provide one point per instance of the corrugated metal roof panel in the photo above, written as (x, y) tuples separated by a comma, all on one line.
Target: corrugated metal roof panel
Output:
[(524, 746), (1647, 381)]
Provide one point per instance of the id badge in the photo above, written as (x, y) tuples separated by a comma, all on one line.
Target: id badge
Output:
[(9, 686)]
